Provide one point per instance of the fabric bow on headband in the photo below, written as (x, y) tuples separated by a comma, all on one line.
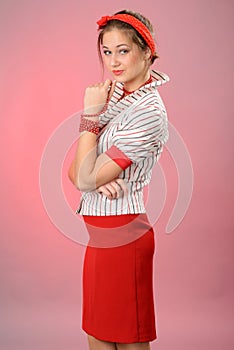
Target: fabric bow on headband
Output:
[(103, 21)]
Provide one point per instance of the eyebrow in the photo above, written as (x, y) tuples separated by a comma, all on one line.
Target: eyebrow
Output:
[(106, 47)]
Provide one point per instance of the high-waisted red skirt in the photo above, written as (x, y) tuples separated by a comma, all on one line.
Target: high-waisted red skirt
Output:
[(118, 303)]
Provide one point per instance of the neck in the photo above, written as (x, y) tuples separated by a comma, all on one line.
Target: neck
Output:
[(130, 87), (147, 80)]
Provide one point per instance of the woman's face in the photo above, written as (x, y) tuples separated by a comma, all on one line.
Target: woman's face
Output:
[(126, 62)]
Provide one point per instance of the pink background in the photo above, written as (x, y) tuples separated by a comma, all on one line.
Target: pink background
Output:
[(48, 57)]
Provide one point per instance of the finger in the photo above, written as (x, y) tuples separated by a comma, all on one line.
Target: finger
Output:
[(108, 190), (112, 89), (122, 185), (119, 188), (100, 189), (103, 189), (107, 83), (112, 187), (105, 192)]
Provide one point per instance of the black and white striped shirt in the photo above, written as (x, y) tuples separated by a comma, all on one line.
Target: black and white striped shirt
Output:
[(134, 130)]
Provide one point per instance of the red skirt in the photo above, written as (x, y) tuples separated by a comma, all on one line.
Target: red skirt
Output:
[(118, 303)]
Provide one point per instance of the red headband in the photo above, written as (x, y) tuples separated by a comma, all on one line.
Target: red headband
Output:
[(135, 23)]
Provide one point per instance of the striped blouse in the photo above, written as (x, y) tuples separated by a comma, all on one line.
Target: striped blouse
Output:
[(134, 130)]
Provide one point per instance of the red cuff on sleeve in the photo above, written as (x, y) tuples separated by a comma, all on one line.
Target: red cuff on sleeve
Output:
[(119, 157)]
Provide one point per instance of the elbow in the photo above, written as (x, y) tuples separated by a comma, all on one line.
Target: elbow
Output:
[(71, 173), (77, 183), (81, 184), (84, 185), (71, 178)]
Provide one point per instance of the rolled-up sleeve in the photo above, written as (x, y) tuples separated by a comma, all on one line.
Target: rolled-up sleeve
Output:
[(140, 136)]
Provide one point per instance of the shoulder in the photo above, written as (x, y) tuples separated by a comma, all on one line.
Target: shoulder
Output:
[(149, 104)]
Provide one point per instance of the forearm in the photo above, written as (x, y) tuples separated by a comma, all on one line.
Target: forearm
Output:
[(85, 160), (89, 171)]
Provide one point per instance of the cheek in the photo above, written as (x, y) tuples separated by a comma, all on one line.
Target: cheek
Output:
[(134, 60), (106, 60)]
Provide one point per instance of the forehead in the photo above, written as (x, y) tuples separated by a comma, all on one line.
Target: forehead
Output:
[(115, 37)]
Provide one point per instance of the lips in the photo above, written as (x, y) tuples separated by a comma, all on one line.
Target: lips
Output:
[(117, 72)]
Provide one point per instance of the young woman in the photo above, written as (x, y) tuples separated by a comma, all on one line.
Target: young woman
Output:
[(122, 133)]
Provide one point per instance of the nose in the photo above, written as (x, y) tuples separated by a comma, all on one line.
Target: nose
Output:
[(114, 61)]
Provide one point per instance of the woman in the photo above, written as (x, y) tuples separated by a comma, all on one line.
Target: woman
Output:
[(122, 133)]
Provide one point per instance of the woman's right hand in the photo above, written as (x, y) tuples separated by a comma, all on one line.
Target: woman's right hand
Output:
[(97, 95), (114, 189)]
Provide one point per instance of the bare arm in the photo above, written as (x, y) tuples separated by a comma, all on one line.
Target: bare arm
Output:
[(92, 172), (87, 171)]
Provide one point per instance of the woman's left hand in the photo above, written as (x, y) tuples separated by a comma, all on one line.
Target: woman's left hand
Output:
[(114, 189)]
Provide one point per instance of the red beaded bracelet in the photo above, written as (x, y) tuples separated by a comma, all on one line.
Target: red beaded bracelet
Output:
[(89, 125)]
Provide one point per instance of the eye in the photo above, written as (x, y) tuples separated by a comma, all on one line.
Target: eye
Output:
[(107, 52), (124, 51)]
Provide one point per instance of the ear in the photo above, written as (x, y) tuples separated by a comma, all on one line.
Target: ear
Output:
[(147, 54)]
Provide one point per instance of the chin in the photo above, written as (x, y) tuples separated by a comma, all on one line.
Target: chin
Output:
[(119, 79)]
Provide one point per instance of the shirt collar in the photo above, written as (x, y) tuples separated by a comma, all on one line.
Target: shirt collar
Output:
[(159, 78)]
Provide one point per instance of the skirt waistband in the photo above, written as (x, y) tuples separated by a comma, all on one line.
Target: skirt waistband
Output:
[(116, 230)]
